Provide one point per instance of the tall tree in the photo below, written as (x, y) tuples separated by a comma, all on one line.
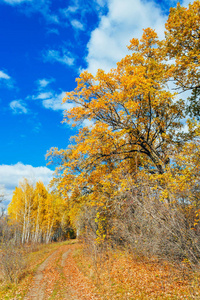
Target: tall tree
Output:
[(131, 108), (39, 213), (2, 196), (20, 208), (133, 151), (182, 43)]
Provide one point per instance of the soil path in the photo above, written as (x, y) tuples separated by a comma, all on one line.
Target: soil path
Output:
[(58, 277)]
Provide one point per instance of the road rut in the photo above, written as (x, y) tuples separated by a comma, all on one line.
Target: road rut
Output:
[(58, 277)]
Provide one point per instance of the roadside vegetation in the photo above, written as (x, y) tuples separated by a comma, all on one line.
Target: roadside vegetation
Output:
[(36, 217), (18, 266), (119, 274)]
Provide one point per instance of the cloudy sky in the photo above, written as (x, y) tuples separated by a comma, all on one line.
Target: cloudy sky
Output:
[(44, 44)]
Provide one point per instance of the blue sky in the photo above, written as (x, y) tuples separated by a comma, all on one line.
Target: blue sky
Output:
[(44, 45)]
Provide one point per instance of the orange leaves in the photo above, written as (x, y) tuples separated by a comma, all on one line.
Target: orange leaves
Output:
[(147, 43), (183, 43), (121, 276), (132, 99), (135, 120)]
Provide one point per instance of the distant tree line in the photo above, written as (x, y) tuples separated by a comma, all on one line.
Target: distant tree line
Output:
[(35, 215)]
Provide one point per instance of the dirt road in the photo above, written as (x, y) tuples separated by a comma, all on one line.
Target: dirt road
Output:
[(58, 277)]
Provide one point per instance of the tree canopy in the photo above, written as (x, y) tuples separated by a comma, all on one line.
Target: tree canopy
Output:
[(132, 128)]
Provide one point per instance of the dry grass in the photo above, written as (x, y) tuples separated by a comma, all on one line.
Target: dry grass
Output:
[(34, 255), (120, 276), (111, 275)]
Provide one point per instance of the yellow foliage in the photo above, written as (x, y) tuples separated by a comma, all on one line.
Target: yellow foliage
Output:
[(135, 126), (38, 212)]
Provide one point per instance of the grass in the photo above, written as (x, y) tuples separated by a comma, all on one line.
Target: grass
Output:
[(34, 257), (116, 275), (120, 276)]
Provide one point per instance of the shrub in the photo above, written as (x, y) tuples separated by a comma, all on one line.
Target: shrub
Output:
[(13, 263)]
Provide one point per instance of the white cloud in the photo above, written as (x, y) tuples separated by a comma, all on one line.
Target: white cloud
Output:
[(11, 175), (31, 6), (18, 107), (77, 24), (42, 83), (52, 100), (53, 30), (3, 75), (69, 10), (55, 102), (52, 18), (45, 95), (15, 2), (57, 56), (5, 80), (101, 3), (124, 20), (49, 98)]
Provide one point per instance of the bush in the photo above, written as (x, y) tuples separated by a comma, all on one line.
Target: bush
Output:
[(140, 221), (12, 262)]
